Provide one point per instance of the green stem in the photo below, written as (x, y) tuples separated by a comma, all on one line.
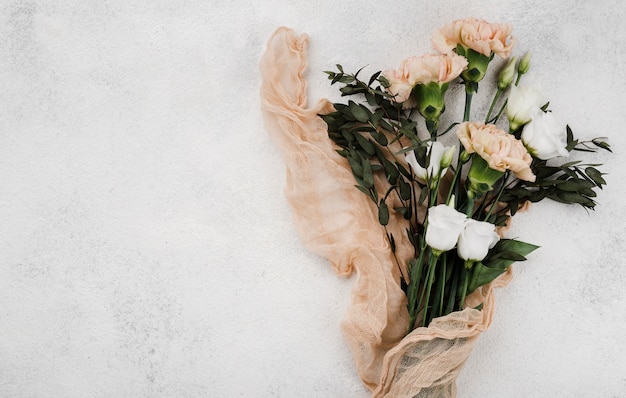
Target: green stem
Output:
[(432, 126), (455, 178), (434, 192), (432, 264), (468, 105), (393, 252), (493, 104), (464, 281), (497, 198), (444, 269), (469, 210), (453, 289), (413, 289), (495, 119)]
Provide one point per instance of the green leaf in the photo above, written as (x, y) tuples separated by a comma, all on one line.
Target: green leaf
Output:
[(366, 144), (403, 171), (422, 197), (602, 144), (405, 211), (506, 252), (574, 185), (371, 98), (360, 188), (347, 90), (481, 275), (573, 197), (377, 116), (373, 78), (347, 135), (385, 125), (517, 246), (571, 142), (383, 213), (368, 176), (405, 189), (343, 152), (392, 242), (359, 112), (596, 176), (379, 138), (391, 172), (383, 81), (355, 163), (510, 256)]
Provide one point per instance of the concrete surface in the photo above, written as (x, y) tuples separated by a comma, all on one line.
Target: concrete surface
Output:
[(147, 249)]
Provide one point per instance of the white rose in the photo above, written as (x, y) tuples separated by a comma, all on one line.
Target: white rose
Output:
[(444, 226), (440, 159), (544, 136), (476, 239), (522, 100)]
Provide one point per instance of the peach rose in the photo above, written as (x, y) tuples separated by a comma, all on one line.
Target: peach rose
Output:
[(501, 151), (399, 84), (422, 70), (438, 68), (479, 35)]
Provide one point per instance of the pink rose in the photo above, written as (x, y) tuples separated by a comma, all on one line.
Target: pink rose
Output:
[(479, 35), (501, 151)]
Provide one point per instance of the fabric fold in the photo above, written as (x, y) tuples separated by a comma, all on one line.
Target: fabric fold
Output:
[(338, 222)]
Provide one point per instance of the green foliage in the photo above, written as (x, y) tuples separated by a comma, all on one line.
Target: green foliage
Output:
[(571, 183), (497, 262), (371, 123)]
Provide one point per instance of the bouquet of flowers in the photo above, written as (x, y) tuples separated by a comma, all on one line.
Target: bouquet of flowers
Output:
[(455, 238), (419, 210)]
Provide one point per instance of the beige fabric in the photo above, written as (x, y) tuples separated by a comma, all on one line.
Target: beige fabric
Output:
[(337, 221)]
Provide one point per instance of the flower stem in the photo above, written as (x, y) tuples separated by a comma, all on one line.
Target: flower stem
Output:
[(453, 289), (412, 293), (497, 198), (468, 105), (465, 282), (432, 126), (495, 119), (455, 178), (432, 264), (444, 270), (493, 104), (469, 210)]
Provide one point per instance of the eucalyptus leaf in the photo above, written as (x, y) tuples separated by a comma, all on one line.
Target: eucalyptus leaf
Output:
[(405, 189), (596, 176), (391, 172), (383, 212), (359, 112), (366, 144), (368, 176)]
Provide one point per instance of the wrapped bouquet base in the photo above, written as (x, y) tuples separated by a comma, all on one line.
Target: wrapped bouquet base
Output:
[(338, 222)]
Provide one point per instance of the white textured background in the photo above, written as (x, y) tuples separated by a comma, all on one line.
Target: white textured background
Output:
[(146, 248)]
